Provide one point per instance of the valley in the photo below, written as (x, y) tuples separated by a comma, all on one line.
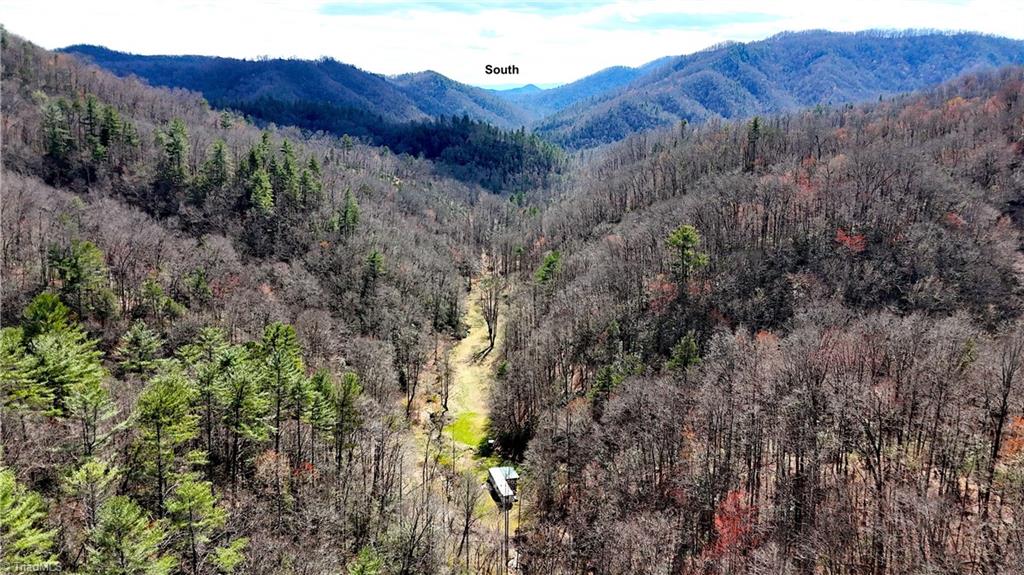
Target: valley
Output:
[(754, 309)]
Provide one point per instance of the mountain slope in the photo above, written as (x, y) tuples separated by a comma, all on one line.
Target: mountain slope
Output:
[(193, 230), (781, 73), (545, 102), (816, 292), (437, 95), (228, 81), (410, 114), (732, 80), (541, 103)]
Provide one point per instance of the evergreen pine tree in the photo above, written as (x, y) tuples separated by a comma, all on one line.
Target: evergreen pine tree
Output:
[(552, 262), (346, 416), (89, 406), (194, 513), (19, 388), (228, 557), (753, 137), (24, 542), (261, 193), (65, 358), (282, 369), (207, 363), (126, 541), (166, 424), (350, 213), (321, 411), (367, 562), (45, 313), (310, 184), (111, 127), (92, 122), (215, 173), (139, 349), (684, 242), (92, 484), (57, 138), (300, 407), (244, 404), (225, 120), (685, 353), (286, 175), (172, 166), (82, 272), (313, 165)]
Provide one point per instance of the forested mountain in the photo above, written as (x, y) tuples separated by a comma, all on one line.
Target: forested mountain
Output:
[(782, 73), (228, 82), (505, 162), (421, 114), (527, 89), (213, 337), (786, 344), (541, 103), (545, 102), (438, 96)]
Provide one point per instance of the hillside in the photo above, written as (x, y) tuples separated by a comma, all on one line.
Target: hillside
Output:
[(424, 115), (545, 102), (785, 72), (786, 345), (212, 333), (229, 82), (225, 82), (439, 96), (542, 103)]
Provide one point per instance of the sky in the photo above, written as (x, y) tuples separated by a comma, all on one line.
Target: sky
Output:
[(551, 42)]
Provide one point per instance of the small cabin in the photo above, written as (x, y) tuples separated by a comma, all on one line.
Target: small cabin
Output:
[(502, 482)]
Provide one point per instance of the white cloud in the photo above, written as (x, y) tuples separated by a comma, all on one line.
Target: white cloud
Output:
[(548, 42)]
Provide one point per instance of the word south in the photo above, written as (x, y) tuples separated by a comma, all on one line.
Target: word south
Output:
[(488, 69)]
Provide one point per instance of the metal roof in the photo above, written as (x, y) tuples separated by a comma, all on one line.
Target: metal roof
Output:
[(508, 472), (497, 477)]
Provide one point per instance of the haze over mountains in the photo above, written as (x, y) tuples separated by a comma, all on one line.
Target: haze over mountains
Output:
[(784, 72)]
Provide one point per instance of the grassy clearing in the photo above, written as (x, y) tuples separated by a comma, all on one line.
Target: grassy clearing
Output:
[(467, 401), (468, 428)]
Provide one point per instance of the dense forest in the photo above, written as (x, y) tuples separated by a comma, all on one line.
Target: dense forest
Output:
[(785, 344), (424, 115), (470, 150), (214, 336), (782, 73)]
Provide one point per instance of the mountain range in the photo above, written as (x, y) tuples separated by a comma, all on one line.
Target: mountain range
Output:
[(789, 346), (732, 80)]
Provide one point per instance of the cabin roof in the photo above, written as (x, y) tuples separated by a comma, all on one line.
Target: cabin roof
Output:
[(497, 477)]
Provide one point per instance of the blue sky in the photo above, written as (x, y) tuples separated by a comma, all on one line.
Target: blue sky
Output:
[(384, 7), (550, 41)]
